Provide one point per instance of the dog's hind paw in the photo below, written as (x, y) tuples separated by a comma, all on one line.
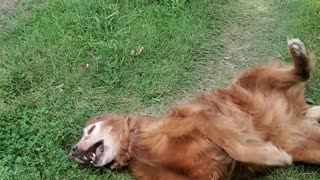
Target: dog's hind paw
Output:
[(302, 61), (297, 47)]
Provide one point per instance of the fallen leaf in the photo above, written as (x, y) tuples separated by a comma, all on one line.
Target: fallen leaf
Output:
[(136, 52)]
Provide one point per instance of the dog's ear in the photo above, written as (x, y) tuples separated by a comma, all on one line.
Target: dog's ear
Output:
[(245, 147)]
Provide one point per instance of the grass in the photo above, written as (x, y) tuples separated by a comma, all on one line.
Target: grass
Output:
[(62, 61)]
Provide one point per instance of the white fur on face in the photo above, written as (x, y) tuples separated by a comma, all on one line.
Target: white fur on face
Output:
[(95, 133)]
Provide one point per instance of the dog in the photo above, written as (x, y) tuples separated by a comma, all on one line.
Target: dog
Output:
[(260, 121)]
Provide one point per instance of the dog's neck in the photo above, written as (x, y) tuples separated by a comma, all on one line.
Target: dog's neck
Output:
[(131, 137), (134, 124)]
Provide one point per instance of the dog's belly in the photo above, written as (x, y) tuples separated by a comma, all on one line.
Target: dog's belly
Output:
[(278, 117), (198, 157)]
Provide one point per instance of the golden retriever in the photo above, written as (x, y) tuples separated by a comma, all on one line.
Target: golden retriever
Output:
[(260, 121)]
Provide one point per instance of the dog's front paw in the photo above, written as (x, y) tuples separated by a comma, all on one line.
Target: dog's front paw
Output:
[(278, 157)]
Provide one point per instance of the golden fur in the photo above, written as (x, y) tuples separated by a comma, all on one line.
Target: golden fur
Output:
[(260, 121)]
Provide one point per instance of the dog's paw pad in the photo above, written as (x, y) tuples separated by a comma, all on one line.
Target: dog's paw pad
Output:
[(297, 46)]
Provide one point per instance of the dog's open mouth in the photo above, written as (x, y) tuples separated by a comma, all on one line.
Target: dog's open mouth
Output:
[(94, 152), (91, 156)]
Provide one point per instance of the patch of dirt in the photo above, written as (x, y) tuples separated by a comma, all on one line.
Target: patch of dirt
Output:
[(247, 41), (5, 7)]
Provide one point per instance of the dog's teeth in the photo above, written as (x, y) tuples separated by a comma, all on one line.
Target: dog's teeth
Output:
[(93, 155)]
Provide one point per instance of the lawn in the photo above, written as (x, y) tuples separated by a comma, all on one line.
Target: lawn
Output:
[(63, 61)]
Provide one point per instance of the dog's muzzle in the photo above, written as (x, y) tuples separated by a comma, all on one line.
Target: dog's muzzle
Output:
[(86, 156)]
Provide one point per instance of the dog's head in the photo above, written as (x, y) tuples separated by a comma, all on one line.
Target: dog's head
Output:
[(101, 140)]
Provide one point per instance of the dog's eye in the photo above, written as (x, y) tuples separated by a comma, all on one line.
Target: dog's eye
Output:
[(91, 129)]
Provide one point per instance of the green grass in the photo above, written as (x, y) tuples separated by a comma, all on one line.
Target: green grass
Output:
[(62, 61)]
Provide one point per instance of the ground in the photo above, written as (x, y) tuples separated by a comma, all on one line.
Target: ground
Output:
[(62, 61), (5, 6)]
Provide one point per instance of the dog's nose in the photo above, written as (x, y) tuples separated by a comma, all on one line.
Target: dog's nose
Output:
[(71, 154), (73, 151), (77, 151)]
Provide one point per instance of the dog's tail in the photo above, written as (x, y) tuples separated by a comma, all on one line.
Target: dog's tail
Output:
[(303, 63)]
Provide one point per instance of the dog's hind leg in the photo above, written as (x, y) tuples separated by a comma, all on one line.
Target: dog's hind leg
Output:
[(306, 145), (302, 62), (246, 147), (313, 113), (279, 75), (308, 148)]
